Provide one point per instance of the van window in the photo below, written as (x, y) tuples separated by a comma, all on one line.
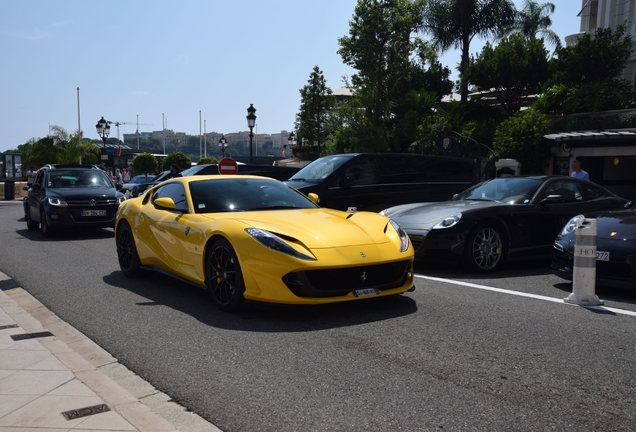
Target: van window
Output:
[(449, 171), (402, 169), (321, 168), (362, 171)]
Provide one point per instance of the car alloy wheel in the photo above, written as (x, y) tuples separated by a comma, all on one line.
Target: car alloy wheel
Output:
[(223, 276), (129, 261), (45, 228), (31, 224), (485, 249)]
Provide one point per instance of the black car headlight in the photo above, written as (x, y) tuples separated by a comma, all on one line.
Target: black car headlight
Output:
[(571, 225), (404, 238), (449, 221), (57, 202), (273, 242)]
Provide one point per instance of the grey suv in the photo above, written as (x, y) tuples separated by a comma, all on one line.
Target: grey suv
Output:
[(79, 196)]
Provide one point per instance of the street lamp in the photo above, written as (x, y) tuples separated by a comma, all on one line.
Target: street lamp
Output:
[(222, 144), (251, 122), (103, 129)]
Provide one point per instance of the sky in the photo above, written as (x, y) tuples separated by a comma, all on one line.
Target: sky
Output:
[(193, 65)]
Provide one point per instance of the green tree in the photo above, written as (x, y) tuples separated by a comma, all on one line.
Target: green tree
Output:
[(454, 24), (316, 104), (398, 80), (534, 19), (145, 163), (586, 75), (516, 68), (179, 158), (207, 160), (519, 137)]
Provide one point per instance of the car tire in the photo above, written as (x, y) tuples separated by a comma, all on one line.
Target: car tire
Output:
[(129, 261), (46, 229), (31, 224), (224, 279), (485, 250)]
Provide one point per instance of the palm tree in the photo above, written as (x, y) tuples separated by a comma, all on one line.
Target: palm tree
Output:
[(535, 19), (454, 24)]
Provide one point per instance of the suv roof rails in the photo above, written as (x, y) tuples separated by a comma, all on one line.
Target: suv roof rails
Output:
[(54, 166)]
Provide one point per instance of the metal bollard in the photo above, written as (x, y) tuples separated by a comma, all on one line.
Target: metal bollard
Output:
[(584, 272)]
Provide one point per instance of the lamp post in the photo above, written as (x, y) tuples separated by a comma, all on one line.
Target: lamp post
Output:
[(103, 129), (251, 121), (292, 141), (222, 144)]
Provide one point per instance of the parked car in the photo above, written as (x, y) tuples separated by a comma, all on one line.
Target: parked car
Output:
[(373, 181), (275, 172), (500, 219), (615, 247), (254, 238), (78, 196), (138, 179)]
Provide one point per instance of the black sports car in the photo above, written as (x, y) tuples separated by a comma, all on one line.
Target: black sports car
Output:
[(615, 248), (500, 219)]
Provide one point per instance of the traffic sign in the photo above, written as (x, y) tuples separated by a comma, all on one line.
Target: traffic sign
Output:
[(228, 166), (110, 151)]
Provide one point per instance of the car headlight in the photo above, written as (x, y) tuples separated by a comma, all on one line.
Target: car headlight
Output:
[(121, 200), (57, 202), (270, 241), (403, 236), (449, 221), (571, 225)]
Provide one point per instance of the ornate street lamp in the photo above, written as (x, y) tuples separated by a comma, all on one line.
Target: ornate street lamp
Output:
[(222, 144), (251, 122), (103, 129)]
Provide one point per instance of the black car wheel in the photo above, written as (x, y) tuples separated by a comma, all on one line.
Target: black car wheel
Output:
[(31, 224), (127, 255), (46, 229), (485, 249), (223, 276)]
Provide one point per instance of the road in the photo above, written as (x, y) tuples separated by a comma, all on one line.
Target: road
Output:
[(453, 355)]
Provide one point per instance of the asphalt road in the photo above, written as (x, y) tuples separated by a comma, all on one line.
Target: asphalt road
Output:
[(451, 356)]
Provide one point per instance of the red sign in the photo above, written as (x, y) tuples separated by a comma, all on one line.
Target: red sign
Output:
[(228, 166)]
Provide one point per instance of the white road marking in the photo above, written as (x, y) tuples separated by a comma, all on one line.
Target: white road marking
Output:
[(522, 294)]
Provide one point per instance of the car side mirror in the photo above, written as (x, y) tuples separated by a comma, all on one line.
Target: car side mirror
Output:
[(629, 205), (165, 203), (314, 198), (346, 182), (36, 186), (552, 199)]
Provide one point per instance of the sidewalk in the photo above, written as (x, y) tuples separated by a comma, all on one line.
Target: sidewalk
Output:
[(53, 378)]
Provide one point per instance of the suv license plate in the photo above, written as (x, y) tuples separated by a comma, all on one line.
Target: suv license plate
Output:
[(602, 256), (93, 212), (366, 292)]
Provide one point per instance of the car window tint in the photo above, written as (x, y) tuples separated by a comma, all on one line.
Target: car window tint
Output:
[(176, 191), (449, 171), (591, 193), (361, 171), (403, 169), (569, 190)]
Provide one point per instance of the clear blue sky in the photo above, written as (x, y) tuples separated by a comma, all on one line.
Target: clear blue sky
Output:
[(169, 59)]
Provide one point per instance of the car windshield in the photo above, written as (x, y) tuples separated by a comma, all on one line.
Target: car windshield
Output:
[(517, 189), (320, 168), (226, 195), (92, 178), (195, 169)]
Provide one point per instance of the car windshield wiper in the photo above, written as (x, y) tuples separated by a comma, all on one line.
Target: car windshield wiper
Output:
[(476, 199)]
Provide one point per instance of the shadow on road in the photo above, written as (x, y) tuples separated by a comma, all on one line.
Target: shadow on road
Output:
[(161, 290)]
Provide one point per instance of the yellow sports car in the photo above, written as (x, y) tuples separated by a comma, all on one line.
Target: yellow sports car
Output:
[(255, 238)]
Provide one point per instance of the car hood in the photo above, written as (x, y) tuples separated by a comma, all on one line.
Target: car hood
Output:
[(86, 193), (617, 225), (318, 228), (427, 215)]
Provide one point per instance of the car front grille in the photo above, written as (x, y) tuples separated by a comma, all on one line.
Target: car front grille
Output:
[(416, 241), (87, 203), (561, 258), (340, 282)]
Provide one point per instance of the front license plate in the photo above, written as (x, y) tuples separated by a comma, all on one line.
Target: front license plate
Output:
[(93, 212), (366, 292), (602, 256)]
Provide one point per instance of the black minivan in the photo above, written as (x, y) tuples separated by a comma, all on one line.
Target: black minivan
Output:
[(375, 181)]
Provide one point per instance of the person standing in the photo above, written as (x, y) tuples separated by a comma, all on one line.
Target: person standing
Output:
[(175, 170), (120, 179), (126, 176), (577, 172), (30, 177)]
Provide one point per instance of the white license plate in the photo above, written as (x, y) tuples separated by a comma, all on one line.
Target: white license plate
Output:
[(93, 212), (602, 256), (366, 292)]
